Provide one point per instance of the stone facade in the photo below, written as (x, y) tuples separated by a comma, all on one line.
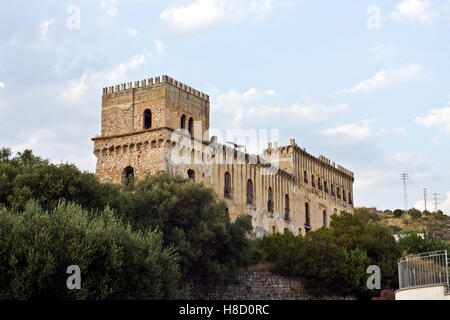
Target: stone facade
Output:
[(163, 125), (264, 285)]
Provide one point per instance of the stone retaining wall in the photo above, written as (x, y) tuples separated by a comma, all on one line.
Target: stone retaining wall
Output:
[(263, 285)]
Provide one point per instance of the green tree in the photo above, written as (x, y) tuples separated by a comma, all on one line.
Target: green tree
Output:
[(335, 260), (27, 177), (398, 213), (211, 248), (414, 213), (324, 266), (413, 242), (36, 247)]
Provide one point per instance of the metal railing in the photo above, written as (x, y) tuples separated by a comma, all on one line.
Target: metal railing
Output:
[(424, 269)]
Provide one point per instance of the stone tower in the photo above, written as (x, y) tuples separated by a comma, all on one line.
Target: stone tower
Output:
[(137, 120)]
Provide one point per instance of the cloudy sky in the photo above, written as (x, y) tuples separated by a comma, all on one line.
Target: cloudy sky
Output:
[(365, 83)]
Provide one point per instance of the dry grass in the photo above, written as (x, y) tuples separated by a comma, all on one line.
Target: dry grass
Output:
[(260, 267)]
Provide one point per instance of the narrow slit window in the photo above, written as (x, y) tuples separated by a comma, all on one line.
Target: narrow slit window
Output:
[(147, 119)]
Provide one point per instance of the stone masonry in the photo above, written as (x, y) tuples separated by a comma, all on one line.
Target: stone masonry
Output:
[(264, 285), (163, 125)]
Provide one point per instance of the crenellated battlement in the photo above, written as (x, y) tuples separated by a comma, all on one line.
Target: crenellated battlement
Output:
[(284, 151), (153, 82)]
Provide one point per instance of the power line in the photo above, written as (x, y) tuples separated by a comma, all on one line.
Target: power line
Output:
[(404, 177), (435, 201), (425, 197)]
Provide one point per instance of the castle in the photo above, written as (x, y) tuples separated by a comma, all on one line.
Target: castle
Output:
[(163, 125)]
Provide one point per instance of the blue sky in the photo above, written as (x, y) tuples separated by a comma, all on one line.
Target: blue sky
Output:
[(364, 83)]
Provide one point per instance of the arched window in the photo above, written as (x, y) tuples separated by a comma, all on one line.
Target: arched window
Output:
[(286, 207), (325, 219), (269, 201), (313, 183), (227, 188), (307, 218), (147, 119), (344, 196), (350, 201), (249, 191), (325, 186), (128, 177), (319, 184), (183, 122), (338, 192), (191, 126), (305, 176), (191, 175), (333, 194)]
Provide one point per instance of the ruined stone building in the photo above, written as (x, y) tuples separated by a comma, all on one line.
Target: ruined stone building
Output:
[(162, 125)]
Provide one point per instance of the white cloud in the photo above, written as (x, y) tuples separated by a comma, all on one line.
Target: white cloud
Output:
[(371, 179), (202, 13), (2, 85), (402, 157), (48, 143), (257, 106), (359, 130), (438, 118), (159, 48), (43, 29), (416, 12), (387, 77), (444, 206), (393, 131), (76, 90)]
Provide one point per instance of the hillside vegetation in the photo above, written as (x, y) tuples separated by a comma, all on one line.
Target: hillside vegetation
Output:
[(436, 224)]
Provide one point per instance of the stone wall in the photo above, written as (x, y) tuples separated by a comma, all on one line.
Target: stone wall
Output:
[(264, 285)]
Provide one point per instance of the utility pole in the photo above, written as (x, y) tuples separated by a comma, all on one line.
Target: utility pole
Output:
[(435, 200), (425, 197), (404, 177)]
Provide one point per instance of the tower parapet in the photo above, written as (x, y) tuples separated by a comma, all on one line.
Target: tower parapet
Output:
[(152, 82)]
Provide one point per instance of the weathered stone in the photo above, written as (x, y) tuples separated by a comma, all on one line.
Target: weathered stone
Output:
[(127, 144)]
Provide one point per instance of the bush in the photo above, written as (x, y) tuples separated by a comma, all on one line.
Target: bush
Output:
[(414, 213), (386, 294), (398, 213), (36, 247)]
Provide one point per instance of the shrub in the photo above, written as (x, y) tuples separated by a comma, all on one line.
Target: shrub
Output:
[(386, 294), (414, 213), (398, 213), (36, 247)]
